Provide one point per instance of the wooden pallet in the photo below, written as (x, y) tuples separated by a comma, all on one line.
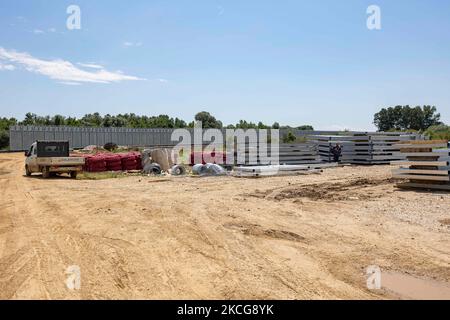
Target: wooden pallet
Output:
[(426, 167), (445, 187)]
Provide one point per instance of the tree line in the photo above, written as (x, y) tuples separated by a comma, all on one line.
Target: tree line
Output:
[(131, 120)]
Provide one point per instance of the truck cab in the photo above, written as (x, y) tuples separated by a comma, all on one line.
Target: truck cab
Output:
[(51, 158)]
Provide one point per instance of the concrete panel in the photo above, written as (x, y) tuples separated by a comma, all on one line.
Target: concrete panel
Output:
[(76, 138), (49, 133)]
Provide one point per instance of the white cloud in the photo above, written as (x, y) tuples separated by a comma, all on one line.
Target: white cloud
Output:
[(163, 80), (40, 31), (68, 83), (8, 67), (62, 70), (132, 44), (90, 65)]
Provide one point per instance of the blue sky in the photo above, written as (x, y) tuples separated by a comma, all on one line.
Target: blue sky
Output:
[(295, 62)]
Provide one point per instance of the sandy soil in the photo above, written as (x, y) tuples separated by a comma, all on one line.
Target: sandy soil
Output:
[(302, 237)]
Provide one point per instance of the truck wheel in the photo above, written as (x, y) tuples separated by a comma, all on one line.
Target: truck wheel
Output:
[(73, 174), (45, 173), (27, 171)]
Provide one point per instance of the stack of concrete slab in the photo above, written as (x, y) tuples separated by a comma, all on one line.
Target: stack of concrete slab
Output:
[(381, 147), (426, 165), (289, 154), (325, 143), (300, 153), (364, 148)]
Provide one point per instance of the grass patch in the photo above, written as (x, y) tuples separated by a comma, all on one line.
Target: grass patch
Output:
[(439, 132), (301, 139), (102, 175)]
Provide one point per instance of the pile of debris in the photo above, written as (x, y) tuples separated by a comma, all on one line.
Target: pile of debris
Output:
[(280, 170), (208, 169), (427, 165), (208, 157), (154, 161), (159, 160), (163, 161)]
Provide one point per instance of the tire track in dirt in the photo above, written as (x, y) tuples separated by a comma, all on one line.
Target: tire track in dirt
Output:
[(21, 239), (134, 239)]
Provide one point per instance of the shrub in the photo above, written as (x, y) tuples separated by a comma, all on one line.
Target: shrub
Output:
[(289, 137), (4, 139), (110, 146), (439, 132)]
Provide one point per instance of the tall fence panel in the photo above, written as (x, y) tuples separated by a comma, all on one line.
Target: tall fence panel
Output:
[(21, 137)]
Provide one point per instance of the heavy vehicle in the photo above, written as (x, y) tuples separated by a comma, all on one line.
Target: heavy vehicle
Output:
[(52, 158)]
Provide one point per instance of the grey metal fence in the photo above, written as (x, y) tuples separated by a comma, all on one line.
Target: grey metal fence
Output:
[(21, 137)]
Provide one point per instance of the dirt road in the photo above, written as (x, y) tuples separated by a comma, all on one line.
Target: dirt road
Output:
[(302, 237)]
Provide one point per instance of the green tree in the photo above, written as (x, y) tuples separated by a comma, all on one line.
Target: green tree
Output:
[(208, 121), (262, 126), (73, 122), (289, 137), (430, 117), (30, 119), (5, 123), (179, 123), (406, 118), (4, 139), (58, 120), (91, 120), (306, 128), (243, 124), (108, 121)]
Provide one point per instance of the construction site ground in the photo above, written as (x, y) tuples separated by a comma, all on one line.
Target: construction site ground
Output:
[(291, 237)]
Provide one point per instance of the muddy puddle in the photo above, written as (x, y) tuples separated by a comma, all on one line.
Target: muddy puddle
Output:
[(410, 287)]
